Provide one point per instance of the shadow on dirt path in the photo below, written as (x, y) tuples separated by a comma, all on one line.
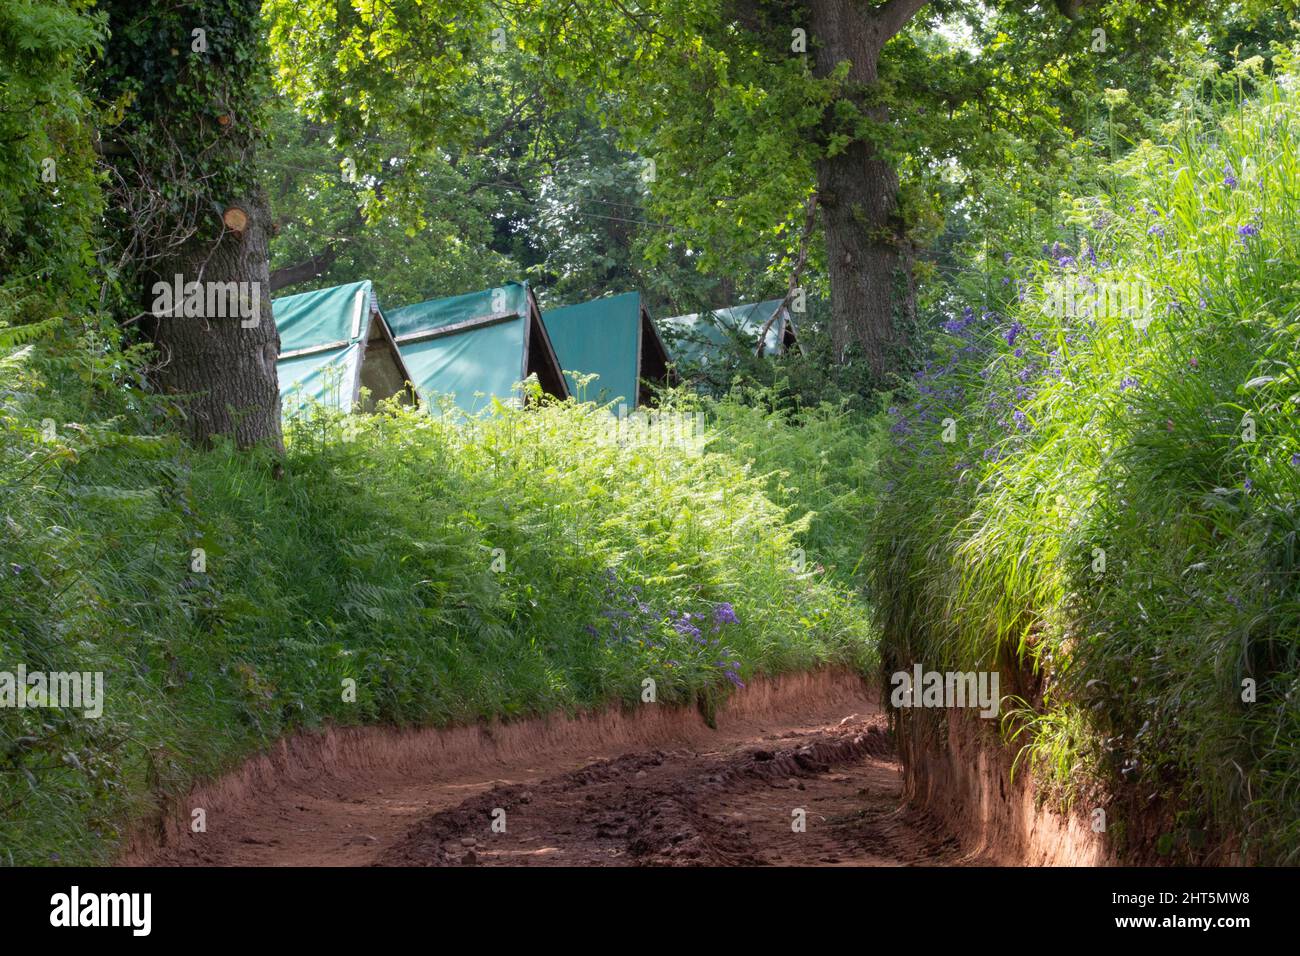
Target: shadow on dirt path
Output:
[(613, 790), (816, 797)]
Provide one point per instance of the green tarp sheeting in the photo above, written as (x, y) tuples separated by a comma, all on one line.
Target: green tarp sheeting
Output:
[(325, 377), (697, 338), (322, 342), (612, 338), (476, 347)]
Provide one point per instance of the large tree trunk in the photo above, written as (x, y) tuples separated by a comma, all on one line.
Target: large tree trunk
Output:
[(873, 304), (186, 209), (224, 367)]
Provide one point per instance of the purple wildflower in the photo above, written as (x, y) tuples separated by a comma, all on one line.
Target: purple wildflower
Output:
[(687, 629), (724, 613)]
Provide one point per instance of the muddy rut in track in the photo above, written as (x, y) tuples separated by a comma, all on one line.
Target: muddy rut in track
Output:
[(812, 747)]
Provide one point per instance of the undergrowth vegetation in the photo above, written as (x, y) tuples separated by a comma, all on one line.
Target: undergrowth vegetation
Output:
[(1092, 487), (1105, 496), (528, 562), (819, 461)]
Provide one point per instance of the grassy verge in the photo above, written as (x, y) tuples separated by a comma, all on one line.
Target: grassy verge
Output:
[(404, 570), (1113, 505)]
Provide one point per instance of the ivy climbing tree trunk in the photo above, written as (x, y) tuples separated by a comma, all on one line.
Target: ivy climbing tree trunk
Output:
[(190, 222), (873, 302)]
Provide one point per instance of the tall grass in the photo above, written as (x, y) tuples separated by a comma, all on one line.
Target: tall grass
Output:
[(523, 563), (1116, 519)]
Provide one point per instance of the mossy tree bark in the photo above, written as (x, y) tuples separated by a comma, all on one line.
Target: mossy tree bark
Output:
[(188, 79)]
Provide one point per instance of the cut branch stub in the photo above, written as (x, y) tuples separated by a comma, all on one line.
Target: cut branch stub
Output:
[(236, 219)]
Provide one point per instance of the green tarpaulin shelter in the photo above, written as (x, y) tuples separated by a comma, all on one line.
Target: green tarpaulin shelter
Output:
[(334, 342), (698, 337), (477, 347), (614, 338)]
